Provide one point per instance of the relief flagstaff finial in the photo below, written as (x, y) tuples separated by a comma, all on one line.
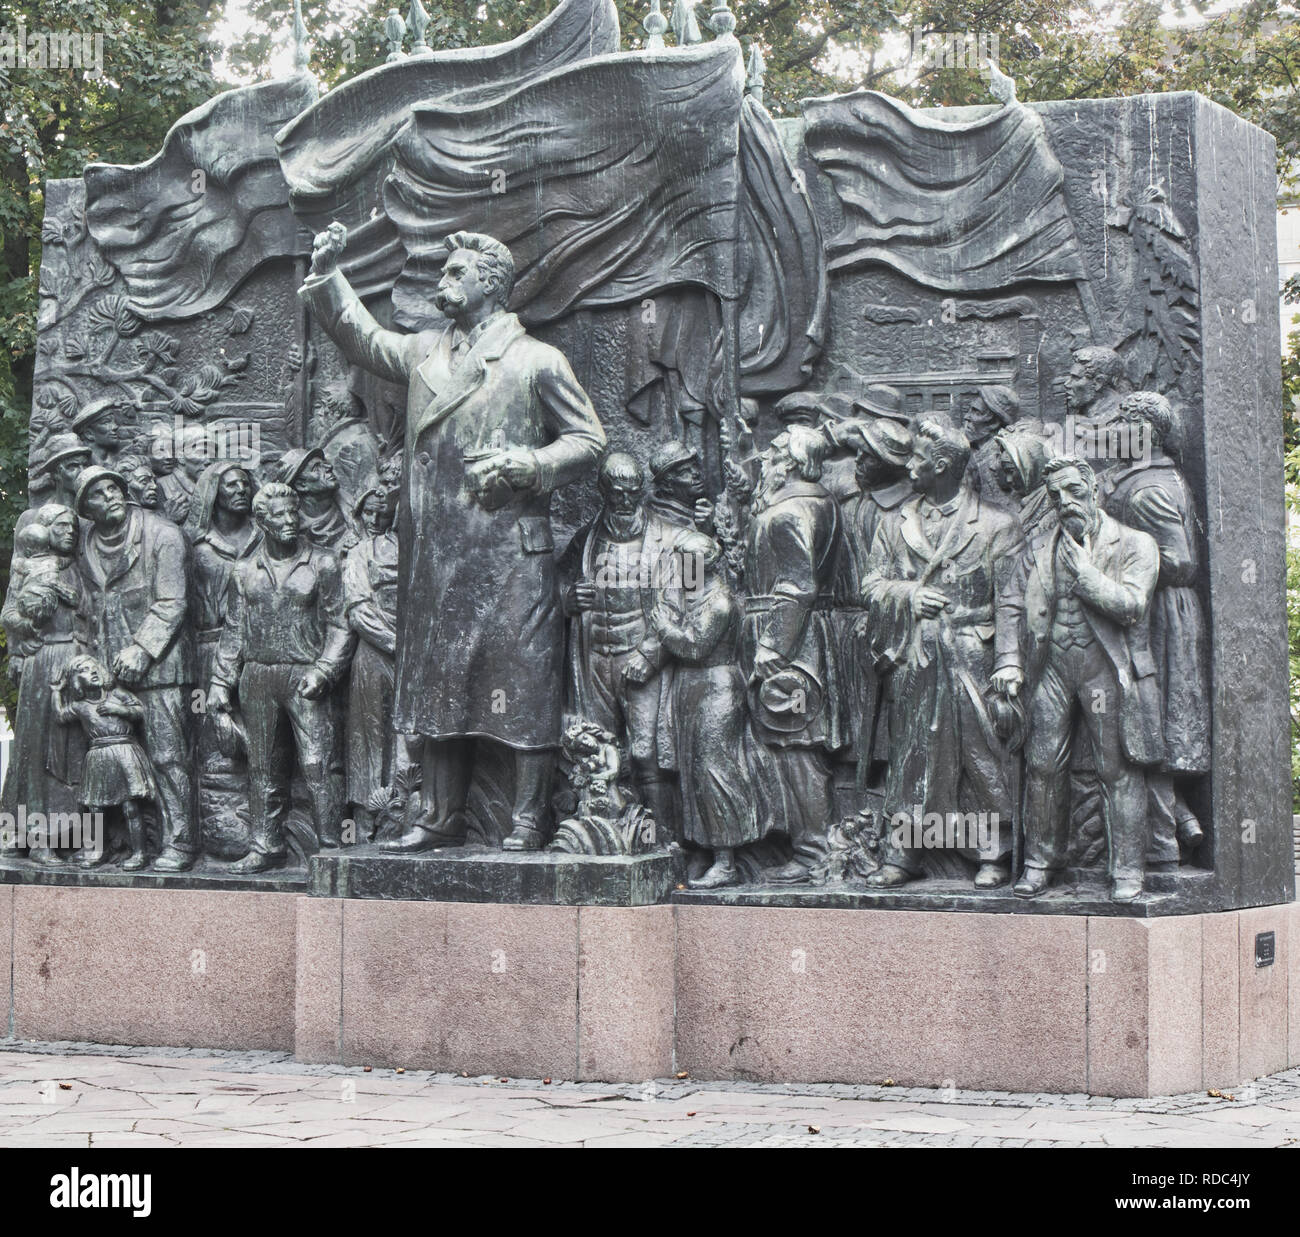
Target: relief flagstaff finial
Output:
[(655, 24), (417, 21), (394, 32), (301, 47)]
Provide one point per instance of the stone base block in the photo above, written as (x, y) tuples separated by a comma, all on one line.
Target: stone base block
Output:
[(1106, 1005), (484, 874), (531, 991), (189, 968)]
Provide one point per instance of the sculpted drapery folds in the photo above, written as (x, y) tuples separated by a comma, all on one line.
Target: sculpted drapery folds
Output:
[(942, 620), (496, 422)]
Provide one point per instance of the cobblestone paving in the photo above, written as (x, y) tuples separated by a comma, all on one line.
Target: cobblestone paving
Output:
[(77, 1095)]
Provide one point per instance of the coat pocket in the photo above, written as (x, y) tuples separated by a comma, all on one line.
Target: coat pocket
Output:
[(535, 534)]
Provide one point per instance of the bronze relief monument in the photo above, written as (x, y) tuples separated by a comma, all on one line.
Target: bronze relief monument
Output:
[(675, 503)]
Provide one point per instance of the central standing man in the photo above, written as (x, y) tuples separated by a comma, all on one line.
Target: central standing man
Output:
[(495, 422)]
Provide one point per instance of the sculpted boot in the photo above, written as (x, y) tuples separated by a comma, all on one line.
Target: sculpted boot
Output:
[(991, 875), (722, 873), (889, 876), (1032, 882)]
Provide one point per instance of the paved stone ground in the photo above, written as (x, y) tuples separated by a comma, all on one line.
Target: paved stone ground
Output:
[(78, 1095)]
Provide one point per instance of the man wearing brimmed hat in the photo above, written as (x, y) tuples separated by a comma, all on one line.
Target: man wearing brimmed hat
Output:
[(96, 424), (321, 519), (59, 464), (882, 400), (788, 650), (991, 409), (132, 613)]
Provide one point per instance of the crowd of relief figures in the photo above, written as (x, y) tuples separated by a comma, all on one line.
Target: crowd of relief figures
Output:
[(962, 625)]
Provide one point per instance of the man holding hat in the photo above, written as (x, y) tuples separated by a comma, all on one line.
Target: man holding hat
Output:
[(132, 613), (788, 650)]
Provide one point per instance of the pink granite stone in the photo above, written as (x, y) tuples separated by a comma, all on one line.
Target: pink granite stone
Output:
[(625, 992), (1293, 985), (318, 1018), (192, 968), (481, 988), (1264, 1003), (925, 998), (1175, 994), (1220, 1000), (6, 952), (1118, 1006)]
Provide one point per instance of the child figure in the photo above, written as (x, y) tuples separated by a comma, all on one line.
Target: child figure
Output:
[(32, 553), (116, 772)]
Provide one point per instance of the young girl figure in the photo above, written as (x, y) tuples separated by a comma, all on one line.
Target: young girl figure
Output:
[(116, 772)]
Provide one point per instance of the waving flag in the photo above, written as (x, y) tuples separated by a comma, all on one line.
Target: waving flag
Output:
[(965, 207), (594, 214), (337, 154), (185, 228)]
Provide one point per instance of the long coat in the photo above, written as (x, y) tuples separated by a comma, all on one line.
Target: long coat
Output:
[(1153, 497), (142, 600), (1116, 605), (945, 750), (791, 562), (480, 630)]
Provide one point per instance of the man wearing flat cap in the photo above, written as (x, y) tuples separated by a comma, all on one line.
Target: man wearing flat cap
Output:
[(132, 613), (59, 465)]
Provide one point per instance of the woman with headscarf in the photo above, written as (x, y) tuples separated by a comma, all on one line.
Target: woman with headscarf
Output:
[(39, 619), (220, 531), (370, 602), (715, 750)]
